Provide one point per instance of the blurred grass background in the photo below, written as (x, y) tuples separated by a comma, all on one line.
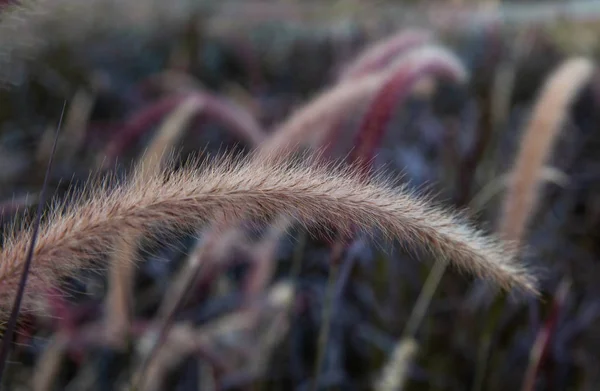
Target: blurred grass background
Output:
[(269, 57)]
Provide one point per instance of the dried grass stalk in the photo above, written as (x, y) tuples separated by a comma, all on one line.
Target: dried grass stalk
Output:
[(395, 372), (48, 364), (549, 113), (314, 194), (232, 116)]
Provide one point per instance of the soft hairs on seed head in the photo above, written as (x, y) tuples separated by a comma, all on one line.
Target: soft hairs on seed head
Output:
[(314, 193)]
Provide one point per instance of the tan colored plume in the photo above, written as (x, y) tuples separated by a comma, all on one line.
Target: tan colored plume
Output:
[(72, 237), (311, 124), (549, 113)]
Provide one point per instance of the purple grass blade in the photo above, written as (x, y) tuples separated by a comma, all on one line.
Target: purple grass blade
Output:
[(12, 321)]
